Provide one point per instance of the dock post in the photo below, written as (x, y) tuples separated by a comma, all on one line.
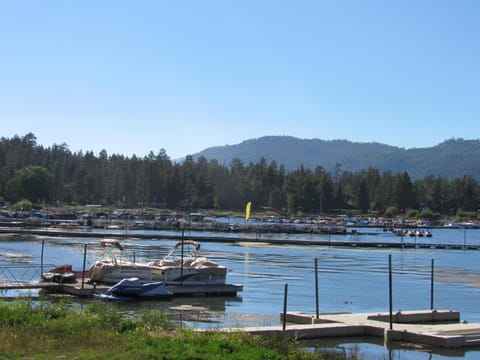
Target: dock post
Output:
[(84, 262), (390, 289), (316, 288), (285, 295), (41, 257), (181, 260), (432, 284)]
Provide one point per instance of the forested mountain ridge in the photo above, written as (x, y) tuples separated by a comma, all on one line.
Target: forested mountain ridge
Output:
[(33, 174), (451, 158)]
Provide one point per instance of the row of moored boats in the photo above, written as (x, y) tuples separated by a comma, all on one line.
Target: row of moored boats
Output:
[(413, 232)]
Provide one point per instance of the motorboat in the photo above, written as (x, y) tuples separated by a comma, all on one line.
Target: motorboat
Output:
[(61, 274), (135, 287), (182, 265), (113, 242)]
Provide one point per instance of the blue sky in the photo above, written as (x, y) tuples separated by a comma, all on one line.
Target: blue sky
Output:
[(137, 76)]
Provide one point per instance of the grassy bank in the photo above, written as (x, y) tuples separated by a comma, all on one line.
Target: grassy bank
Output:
[(46, 330)]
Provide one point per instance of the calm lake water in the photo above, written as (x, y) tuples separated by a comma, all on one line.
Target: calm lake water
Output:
[(351, 279)]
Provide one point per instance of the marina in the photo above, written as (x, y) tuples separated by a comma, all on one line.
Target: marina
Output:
[(263, 267)]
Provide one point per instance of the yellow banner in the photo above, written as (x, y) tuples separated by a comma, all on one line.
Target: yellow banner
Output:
[(247, 210)]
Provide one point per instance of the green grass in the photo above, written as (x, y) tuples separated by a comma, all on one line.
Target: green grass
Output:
[(46, 330)]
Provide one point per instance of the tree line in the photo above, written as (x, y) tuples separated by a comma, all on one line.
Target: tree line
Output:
[(55, 175)]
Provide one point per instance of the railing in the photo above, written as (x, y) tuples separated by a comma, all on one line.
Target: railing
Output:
[(22, 274)]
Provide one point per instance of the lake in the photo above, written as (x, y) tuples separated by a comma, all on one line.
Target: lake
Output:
[(351, 279)]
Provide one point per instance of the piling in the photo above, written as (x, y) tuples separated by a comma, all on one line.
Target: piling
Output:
[(285, 295), (181, 260), (84, 263), (316, 290), (390, 292), (41, 256), (432, 284)]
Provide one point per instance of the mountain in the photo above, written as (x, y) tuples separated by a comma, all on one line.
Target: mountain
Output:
[(449, 159)]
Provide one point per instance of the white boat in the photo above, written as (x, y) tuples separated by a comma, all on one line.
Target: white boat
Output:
[(181, 265), (135, 287), (427, 233)]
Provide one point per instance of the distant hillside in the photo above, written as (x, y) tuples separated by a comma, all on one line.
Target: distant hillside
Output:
[(449, 159)]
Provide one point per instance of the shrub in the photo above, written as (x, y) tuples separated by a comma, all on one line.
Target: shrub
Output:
[(23, 205), (391, 211), (412, 213)]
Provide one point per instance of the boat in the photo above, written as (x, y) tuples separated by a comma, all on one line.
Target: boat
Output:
[(61, 274), (135, 287), (113, 242), (182, 265)]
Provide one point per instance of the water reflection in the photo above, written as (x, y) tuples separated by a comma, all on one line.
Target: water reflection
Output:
[(375, 348)]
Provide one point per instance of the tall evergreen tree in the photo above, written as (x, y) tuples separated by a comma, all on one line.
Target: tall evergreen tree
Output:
[(362, 198)]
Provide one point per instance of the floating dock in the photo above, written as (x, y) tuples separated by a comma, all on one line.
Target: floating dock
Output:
[(87, 289), (437, 328), (403, 243)]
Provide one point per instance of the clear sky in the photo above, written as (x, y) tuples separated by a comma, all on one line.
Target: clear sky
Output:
[(137, 76)]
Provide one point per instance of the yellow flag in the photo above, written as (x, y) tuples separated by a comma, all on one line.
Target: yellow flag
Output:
[(247, 210)]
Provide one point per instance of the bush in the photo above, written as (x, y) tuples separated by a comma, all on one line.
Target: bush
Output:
[(429, 215), (412, 213), (23, 205), (391, 211), (462, 215)]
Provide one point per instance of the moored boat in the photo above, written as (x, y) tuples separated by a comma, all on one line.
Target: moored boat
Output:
[(61, 274), (181, 265), (135, 287)]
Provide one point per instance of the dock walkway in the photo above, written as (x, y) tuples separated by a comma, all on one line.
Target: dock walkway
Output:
[(404, 243), (438, 328)]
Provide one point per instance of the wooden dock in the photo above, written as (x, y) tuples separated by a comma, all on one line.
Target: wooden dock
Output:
[(437, 328)]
